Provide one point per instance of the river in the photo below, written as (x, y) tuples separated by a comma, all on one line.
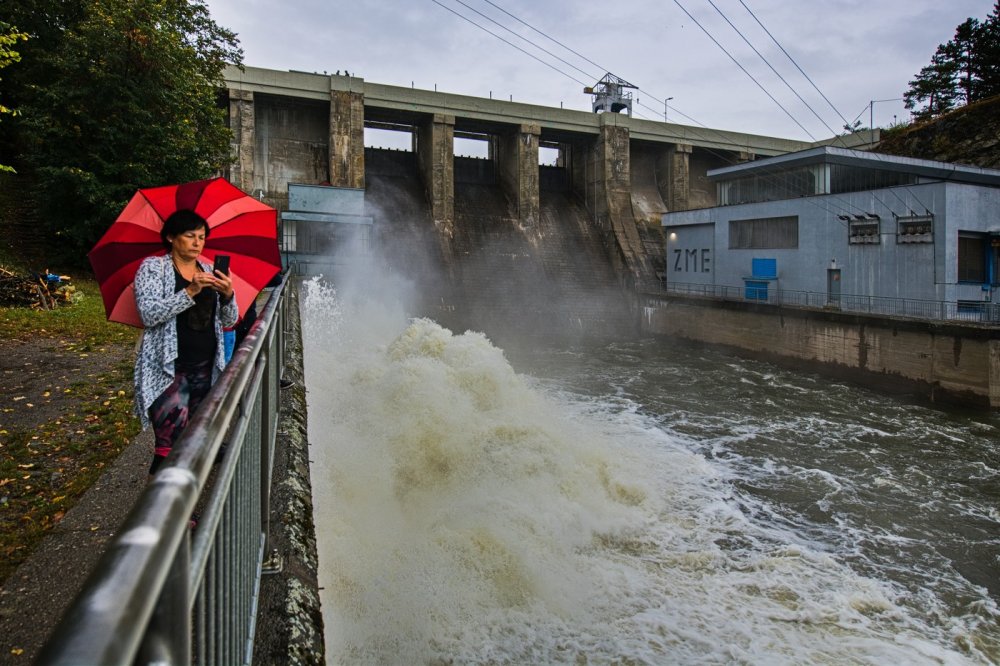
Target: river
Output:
[(641, 502)]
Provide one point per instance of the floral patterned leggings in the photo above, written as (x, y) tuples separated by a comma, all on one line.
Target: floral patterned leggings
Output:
[(171, 412)]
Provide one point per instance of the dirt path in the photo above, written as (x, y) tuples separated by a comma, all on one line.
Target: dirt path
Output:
[(37, 378), (42, 380)]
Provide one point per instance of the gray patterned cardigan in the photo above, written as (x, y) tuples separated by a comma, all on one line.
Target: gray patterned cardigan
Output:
[(159, 304)]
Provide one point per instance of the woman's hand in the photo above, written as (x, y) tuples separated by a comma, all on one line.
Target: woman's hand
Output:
[(223, 284), (220, 282)]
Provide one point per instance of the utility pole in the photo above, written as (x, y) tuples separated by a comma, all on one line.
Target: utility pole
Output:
[(665, 107), (871, 116)]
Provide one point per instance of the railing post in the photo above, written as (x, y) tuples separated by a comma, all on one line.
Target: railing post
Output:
[(168, 636), (267, 400)]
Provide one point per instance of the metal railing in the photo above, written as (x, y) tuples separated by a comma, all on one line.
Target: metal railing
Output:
[(879, 305), (164, 592)]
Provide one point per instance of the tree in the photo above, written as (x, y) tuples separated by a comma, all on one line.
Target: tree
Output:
[(46, 22), (964, 70), (988, 51), (935, 86), (949, 76), (9, 37), (131, 100)]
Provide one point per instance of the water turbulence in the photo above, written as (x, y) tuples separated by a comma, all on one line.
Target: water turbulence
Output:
[(468, 513)]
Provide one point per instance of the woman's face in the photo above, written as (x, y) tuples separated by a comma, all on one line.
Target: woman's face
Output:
[(187, 245)]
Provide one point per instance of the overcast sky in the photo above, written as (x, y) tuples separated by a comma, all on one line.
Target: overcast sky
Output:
[(853, 51)]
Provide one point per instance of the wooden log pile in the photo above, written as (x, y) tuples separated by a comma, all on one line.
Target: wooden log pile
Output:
[(42, 291)]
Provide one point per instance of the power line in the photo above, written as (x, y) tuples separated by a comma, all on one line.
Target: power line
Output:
[(531, 55), (776, 73), (744, 70), (523, 38), (778, 44), (579, 55), (552, 39), (710, 150), (875, 196)]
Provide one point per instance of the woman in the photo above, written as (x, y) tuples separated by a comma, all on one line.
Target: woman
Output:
[(184, 306)]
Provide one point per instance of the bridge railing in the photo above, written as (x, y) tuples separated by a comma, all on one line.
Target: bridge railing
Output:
[(164, 592), (880, 305)]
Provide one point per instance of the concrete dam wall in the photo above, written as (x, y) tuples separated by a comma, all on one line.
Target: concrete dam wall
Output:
[(490, 272), (949, 362), (503, 244)]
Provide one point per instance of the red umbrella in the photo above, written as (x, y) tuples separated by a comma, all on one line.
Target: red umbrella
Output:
[(241, 226)]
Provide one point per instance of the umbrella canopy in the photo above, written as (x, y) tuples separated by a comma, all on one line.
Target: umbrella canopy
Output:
[(240, 226)]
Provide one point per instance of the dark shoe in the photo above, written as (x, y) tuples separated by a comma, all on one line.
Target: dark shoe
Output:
[(286, 383)]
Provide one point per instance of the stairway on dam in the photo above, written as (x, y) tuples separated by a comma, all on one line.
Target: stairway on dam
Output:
[(515, 282)]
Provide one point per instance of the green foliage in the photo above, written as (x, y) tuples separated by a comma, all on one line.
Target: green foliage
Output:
[(9, 37), (989, 55), (84, 321), (963, 71), (130, 100)]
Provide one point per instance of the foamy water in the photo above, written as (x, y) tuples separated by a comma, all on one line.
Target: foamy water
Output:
[(467, 513)]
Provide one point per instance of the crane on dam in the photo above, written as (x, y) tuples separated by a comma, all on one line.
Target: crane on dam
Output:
[(611, 94)]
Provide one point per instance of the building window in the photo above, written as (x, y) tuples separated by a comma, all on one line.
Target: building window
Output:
[(773, 186), (971, 258), (765, 233), (995, 258), (846, 178)]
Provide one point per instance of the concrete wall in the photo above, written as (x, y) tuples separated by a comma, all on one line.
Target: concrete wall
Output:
[(702, 190), (947, 362), (243, 123), (347, 137), (290, 144), (517, 162), (649, 186), (435, 156)]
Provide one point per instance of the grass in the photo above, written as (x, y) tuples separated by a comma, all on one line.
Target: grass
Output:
[(44, 471), (83, 322)]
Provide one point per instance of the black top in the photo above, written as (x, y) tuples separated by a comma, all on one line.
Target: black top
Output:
[(195, 326)]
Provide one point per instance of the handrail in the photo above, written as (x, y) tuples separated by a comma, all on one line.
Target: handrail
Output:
[(157, 596), (914, 308)]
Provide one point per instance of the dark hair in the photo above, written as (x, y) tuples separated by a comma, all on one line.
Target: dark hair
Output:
[(181, 221)]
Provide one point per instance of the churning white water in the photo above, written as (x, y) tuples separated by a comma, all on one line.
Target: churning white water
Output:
[(468, 513)]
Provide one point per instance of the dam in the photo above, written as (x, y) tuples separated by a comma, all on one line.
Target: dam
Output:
[(572, 239)]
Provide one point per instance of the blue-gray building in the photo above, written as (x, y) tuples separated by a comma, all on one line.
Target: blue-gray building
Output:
[(841, 223), (324, 227)]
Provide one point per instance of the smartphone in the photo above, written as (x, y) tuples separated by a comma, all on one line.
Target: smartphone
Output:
[(222, 263)]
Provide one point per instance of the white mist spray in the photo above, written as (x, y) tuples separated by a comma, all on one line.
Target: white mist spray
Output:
[(450, 497)]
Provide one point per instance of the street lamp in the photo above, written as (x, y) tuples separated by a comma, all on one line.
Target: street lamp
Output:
[(665, 108)]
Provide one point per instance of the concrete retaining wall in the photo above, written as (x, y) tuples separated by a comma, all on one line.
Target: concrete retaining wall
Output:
[(949, 362), (289, 620)]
